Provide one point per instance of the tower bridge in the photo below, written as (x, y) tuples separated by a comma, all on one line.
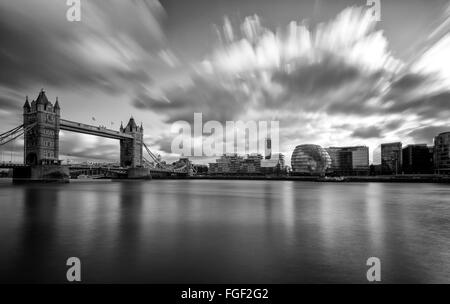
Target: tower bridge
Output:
[(41, 125)]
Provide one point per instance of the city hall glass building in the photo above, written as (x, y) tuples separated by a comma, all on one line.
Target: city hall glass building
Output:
[(310, 160)]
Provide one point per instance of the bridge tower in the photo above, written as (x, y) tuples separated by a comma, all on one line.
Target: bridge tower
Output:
[(41, 143), (131, 149)]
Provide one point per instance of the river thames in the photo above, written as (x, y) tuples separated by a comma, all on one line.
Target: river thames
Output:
[(224, 231)]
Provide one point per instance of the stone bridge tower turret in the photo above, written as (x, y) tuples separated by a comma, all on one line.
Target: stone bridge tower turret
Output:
[(41, 142), (131, 149)]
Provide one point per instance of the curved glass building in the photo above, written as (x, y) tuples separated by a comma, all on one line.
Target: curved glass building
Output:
[(310, 160)]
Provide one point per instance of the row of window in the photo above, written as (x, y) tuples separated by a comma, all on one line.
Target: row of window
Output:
[(49, 132), (49, 154), (48, 143)]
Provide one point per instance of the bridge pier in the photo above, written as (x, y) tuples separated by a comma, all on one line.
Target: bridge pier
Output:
[(41, 173), (138, 173)]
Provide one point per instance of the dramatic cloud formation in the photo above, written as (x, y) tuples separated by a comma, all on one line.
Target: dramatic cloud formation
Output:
[(336, 82), (216, 100), (104, 51), (424, 134), (298, 68), (337, 71)]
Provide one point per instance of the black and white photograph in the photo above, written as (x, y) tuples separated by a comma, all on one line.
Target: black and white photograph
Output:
[(224, 143)]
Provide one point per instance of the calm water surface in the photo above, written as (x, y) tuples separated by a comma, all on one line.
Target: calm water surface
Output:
[(208, 231)]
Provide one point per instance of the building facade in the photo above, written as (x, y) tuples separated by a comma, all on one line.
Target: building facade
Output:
[(391, 158), (274, 165), (41, 120), (417, 159), (349, 161), (251, 164), (227, 164), (131, 149), (268, 148), (442, 153)]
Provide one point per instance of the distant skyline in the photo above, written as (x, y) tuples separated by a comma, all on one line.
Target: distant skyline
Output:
[(329, 73)]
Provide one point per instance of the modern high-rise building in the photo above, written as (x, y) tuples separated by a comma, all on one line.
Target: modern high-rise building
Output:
[(442, 153), (391, 158), (348, 161), (376, 156), (417, 159), (431, 151)]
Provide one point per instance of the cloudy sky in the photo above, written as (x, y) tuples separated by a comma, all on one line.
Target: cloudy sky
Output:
[(325, 69)]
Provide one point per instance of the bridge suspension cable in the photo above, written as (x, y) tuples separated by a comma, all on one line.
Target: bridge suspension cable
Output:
[(156, 160), (14, 134), (186, 168), (12, 131), (5, 141)]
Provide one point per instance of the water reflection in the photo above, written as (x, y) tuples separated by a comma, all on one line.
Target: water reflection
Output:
[(39, 211), (375, 216), (198, 231), (288, 210)]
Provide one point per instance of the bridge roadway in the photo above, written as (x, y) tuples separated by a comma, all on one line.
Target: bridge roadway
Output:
[(7, 165), (73, 126), (115, 169)]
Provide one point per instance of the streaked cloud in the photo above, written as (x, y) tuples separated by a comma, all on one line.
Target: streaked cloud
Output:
[(335, 82), (102, 52), (367, 132), (336, 68)]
